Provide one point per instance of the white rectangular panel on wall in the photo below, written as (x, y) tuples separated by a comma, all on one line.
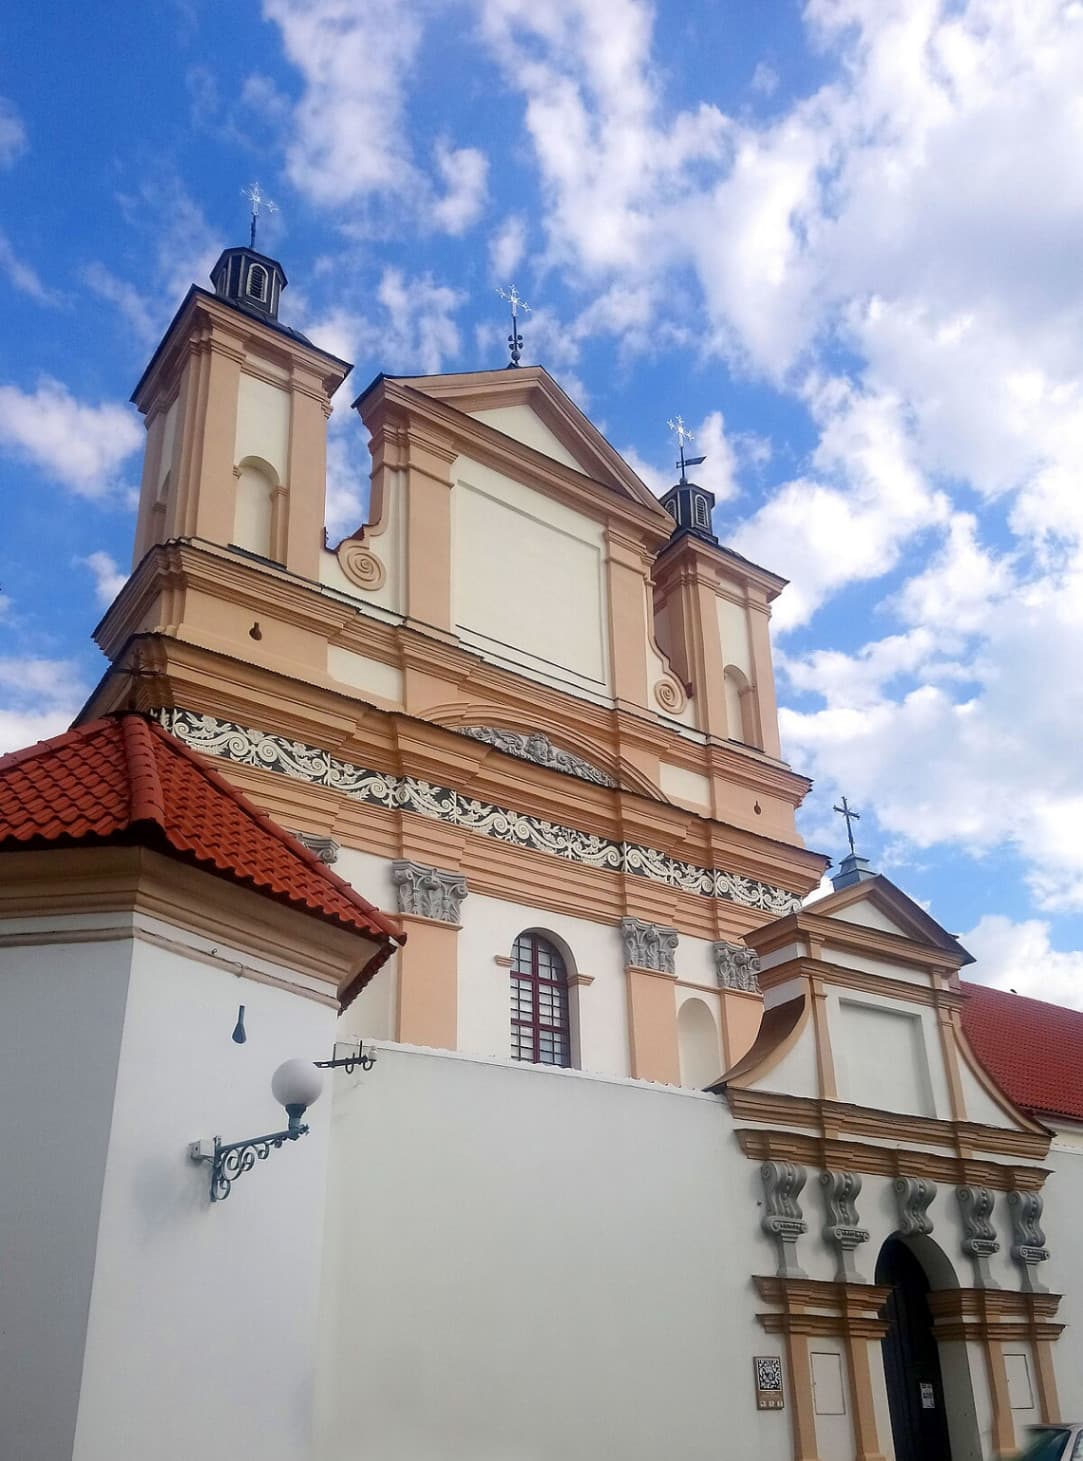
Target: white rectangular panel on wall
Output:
[(528, 574), (1020, 1391), (881, 1059), (263, 424), (827, 1388)]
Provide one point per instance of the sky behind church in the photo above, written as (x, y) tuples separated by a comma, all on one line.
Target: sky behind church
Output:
[(843, 239)]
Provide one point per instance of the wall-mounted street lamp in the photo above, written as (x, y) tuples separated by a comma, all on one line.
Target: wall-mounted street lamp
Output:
[(296, 1084)]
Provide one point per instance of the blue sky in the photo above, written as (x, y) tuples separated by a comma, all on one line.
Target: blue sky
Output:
[(842, 239)]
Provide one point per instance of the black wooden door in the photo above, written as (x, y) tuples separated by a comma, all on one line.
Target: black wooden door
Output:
[(915, 1390)]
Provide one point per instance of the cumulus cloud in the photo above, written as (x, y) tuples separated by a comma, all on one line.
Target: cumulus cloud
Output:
[(464, 173), (507, 247), (719, 473), (38, 698), (1020, 956), (79, 445)]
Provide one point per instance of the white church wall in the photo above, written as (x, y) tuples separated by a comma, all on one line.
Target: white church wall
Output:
[(1063, 1273), (202, 1319), (518, 1267), (528, 578), (61, 1013)]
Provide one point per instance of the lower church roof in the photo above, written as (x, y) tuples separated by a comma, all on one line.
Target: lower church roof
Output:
[(1032, 1049)]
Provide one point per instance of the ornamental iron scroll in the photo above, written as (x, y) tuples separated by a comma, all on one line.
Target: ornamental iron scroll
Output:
[(429, 892), (840, 1192), (301, 762), (914, 1195), (648, 945), (737, 966), (783, 1219), (1028, 1240), (979, 1235), (539, 751)]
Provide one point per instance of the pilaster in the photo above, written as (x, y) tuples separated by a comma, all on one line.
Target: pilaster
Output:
[(429, 902)]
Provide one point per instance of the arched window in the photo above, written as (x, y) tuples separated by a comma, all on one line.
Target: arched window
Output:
[(540, 1030), (257, 282), (699, 512)]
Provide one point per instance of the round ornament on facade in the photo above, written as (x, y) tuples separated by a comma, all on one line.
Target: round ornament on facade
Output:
[(361, 566), (670, 696)]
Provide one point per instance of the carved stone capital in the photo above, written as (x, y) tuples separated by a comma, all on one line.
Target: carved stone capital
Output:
[(783, 1219), (648, 945), (914, 1196), (840, 1193), (1028, 1240), (429, 892), (979, 1235), (325, 848), (737, 966)]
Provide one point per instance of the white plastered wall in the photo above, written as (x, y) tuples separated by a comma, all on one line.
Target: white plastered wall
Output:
[(529, 583), (522, 424)]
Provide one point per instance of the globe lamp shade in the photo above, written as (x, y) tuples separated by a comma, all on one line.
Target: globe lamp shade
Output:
[(296, 1084)]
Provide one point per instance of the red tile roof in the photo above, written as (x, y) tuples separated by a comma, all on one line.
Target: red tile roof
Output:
[(124, 779), (1032, 1049)]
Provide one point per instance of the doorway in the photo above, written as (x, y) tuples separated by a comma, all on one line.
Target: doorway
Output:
[(915, 1388)]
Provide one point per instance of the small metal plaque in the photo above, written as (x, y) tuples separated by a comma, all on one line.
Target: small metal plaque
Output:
[(768, 1372), (928, 1396)]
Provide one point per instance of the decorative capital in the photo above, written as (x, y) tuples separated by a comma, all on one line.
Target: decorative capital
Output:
[(783, 1219), (429, 892), (1028, 1240), (648, 945), (914, 1195), (325, 848), (737, 966)]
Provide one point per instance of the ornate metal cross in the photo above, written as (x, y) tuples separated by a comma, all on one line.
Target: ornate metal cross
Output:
[(257, 199), (851, 816), (517, 303), (682, 433)]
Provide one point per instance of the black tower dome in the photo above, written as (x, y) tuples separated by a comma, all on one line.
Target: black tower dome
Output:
[(250, 280)]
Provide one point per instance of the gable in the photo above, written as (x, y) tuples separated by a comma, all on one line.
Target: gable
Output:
[(525, 425), (868, 915)]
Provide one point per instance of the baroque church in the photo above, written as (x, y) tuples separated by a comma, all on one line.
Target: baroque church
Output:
[(469, 841)]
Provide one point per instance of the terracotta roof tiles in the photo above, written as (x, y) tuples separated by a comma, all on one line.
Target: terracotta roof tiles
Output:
[(123, 779), (1032, 1049)]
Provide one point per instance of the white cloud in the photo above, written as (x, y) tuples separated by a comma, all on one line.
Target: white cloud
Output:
[(12, 133), (507, 247), (1021, 957), (464, 172), (38, 698), (22, 275), (108, 577), (81, 446), (132, 305)]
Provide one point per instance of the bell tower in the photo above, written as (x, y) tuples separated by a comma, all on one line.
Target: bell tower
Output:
[(236, 406)]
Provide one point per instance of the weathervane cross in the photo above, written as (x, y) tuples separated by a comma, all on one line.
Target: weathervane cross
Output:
[(682, 433), (851, 816), (517, 303), (257, 199)]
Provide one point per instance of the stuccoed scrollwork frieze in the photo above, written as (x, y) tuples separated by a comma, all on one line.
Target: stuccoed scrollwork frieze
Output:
[(979, 1235), (783, 1219), (648, 945), (539, 751), (737, 966), (428, 892), (842, 1230), (248, 747), (1028, 1240), (914, 1196)]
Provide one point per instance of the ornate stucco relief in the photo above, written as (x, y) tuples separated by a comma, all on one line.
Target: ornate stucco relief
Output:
[(325, 848), (361, 566), (1028, 1240), (428, 892), (914, 1196), (648, 946), (737, 966), (783, 1219), (249, 747), (539, 750), (842, 1229)]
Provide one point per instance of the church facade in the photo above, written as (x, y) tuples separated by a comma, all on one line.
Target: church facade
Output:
[(656, 1156)]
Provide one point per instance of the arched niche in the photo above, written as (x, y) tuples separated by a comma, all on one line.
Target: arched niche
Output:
[(254, 509), (698, 1043), (741, 720)]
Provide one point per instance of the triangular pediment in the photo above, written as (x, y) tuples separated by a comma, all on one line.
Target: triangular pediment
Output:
[(528, 406), (877, 904)]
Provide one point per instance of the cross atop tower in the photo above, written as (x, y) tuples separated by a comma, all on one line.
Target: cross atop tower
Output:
[(682, 433), (845, 810), (257, 199), (517, 303)]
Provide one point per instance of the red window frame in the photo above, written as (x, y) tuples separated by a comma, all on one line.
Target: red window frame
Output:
[(540, 1024)]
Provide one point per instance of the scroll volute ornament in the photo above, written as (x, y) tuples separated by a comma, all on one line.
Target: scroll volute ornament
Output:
[(361, 565)]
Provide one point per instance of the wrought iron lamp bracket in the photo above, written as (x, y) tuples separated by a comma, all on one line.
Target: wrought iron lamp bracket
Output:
[(230, 1160), (366, 1059)]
